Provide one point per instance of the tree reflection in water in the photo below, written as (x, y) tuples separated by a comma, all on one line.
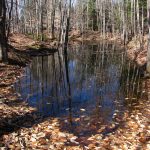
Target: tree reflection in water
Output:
[(91, 80)]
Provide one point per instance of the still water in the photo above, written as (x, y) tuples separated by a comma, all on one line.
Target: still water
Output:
[(95, 81)]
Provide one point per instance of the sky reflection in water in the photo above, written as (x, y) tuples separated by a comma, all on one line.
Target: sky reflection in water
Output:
[(96, 84)]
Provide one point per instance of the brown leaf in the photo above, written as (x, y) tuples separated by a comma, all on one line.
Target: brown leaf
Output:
[(42, 141)]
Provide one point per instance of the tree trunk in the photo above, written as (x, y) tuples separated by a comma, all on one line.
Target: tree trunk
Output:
[(3, 38), (148, 50), (53, 19), (67, 26)]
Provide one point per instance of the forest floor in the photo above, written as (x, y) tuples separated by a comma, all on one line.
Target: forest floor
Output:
[(91, 37), (22, 128), (138, 52)]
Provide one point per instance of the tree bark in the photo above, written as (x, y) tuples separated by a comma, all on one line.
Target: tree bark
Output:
[(148, 50), (53, 19), (3, 38), (67, 26)]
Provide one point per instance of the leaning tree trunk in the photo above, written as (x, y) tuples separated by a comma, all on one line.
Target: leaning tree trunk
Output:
[(3, 38), (148, 50)]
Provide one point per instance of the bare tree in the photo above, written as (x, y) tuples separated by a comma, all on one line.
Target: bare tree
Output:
[(148, 50), (3, 38)]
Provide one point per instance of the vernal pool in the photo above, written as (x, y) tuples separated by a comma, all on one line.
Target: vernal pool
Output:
[(88, 84)]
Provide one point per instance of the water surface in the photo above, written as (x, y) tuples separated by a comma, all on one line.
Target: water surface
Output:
[(93, 82)]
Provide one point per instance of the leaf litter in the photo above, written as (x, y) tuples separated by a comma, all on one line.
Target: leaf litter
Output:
[(21, 127)]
